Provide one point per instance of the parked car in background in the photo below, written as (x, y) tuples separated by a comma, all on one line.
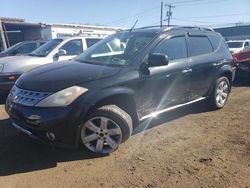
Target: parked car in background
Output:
[(100, 97), (236, 46), (22, 48), (55, 50), (242, 60)]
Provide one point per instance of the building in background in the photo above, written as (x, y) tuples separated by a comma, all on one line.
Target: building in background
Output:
[(49, 31), (15, 30), (237, 32)]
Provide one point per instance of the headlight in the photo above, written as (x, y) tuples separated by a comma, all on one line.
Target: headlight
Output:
[(63, 97), (1, 67)]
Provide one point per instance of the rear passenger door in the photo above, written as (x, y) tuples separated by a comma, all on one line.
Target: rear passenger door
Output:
[(201, 64), (73, 48)]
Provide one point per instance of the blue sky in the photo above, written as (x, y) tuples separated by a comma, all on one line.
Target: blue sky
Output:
[(124, 13)]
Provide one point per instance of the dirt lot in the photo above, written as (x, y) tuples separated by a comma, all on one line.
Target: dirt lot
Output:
[(189, 147)]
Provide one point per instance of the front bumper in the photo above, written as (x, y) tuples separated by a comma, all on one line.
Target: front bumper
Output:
[(63, 122)]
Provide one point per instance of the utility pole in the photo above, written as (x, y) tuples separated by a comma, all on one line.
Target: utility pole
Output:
[(161, 18), (169, 13), (2, 35)]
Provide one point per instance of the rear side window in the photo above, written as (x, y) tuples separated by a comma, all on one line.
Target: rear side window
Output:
[(174, 48), (73, 47), (91, 42), (215, 40), (200, 45)]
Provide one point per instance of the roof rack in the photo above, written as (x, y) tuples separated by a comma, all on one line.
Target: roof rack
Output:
[(188, 27), (167, 28)]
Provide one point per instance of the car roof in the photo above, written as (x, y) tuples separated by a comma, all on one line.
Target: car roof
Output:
[(78, 37), (175, 29)]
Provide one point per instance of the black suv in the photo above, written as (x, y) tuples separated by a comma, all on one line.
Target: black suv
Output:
[(98, 98)]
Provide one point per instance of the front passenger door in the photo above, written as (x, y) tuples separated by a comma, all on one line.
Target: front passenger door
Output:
[(166, 85)]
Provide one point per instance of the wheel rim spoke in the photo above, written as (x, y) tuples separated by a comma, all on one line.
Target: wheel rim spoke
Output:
[(111, 142), (90, 138), (114, 131), (218, 98), (104, 123), (91, 126), (99, 145), (224, 95)]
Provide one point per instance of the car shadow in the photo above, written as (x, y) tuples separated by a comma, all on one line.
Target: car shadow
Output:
[(241, 82), (3, 97), (20, 154)]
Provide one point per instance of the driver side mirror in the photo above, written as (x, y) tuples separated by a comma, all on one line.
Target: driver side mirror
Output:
[(157, 60), (61, 52)]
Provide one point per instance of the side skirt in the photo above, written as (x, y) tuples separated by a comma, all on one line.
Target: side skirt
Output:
[(154, 114)]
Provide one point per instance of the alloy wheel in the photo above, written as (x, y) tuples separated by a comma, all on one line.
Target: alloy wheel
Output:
[(101, 135), (222, 93)]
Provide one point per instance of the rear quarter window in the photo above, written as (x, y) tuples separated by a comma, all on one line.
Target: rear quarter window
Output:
[(199, 45), (91, 42), (215, 40)]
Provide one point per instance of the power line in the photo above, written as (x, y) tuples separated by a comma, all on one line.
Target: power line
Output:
[(198, 2), (195, 21), (135, 15), (217, 16), (187, 1), (202, 3)]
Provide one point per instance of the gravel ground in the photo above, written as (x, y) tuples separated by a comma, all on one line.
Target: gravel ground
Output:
[(189, 147)]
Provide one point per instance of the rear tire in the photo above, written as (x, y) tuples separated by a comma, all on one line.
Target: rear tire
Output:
[(219, 96), (105, 129)]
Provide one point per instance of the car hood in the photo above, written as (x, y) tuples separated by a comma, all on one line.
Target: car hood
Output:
[(17, 63), (57, 76)]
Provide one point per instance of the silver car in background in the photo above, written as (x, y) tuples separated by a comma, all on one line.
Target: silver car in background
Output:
[(55, 50)]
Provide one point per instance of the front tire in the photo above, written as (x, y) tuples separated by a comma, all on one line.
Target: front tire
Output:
[(105, 129), (220, 94)]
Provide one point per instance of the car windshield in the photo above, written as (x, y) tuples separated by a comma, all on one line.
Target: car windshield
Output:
[(117, 49), (11, 48), (235, 44), (46, 48)]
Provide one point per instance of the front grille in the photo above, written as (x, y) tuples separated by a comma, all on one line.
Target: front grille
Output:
[(26, 97)]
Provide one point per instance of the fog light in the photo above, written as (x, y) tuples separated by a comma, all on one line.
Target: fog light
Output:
[(51, 136)]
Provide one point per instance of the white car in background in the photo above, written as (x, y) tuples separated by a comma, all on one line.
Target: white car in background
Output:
[(236, 46), (55, 50)]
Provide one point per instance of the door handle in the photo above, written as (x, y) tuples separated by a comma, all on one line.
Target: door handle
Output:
[(187, 70)]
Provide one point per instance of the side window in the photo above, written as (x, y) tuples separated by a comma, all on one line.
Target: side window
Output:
[(200, 45), (73, 47), (41, 43), (91, 42), (215, 40), (246, 44), (26, 48), (174, 48)]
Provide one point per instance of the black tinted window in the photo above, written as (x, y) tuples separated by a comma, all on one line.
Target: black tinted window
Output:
[(73, 47), (174, 48), (25, 49), (91, 42), (246, 44), (200, 46), (215, 40)]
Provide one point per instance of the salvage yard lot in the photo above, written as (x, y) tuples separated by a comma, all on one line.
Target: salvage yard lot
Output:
[(189, 147)]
